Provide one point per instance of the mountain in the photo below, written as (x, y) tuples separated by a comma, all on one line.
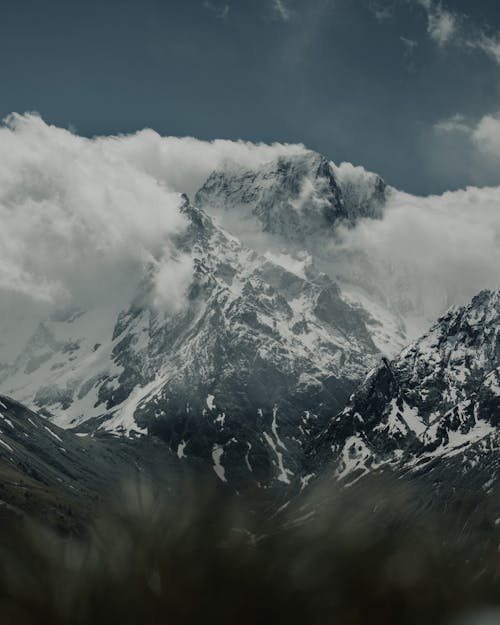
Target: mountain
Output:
[(248, 375), (58, 476), (294, 209), (258, 356), (435, 409), (298, 198)]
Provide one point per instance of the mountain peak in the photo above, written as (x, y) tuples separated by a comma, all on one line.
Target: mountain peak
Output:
[(293, 197), (440, 396)]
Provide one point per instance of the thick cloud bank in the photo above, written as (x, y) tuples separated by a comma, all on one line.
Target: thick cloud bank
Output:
[(79, 222), (82, 218), (433, 252)]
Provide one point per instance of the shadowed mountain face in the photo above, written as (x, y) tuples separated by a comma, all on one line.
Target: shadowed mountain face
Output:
[(60, 477)]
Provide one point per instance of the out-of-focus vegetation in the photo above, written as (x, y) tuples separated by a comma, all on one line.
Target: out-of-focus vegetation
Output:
[(366, 555)]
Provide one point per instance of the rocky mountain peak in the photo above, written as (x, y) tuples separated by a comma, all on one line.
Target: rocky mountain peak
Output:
[(294, 197), (438, 398)]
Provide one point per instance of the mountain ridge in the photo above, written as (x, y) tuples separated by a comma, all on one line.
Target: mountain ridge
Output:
[(439, 398)]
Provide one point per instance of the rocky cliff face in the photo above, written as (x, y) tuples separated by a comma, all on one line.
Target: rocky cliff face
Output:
[(438, 400)]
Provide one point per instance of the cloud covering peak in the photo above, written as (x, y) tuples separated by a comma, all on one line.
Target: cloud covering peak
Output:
[(82, 219), (79, 221)]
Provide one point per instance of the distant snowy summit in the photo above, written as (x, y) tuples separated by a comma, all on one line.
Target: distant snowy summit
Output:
[(295, 198)]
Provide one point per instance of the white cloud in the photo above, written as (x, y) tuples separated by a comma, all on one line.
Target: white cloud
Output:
[(183, 164), (442, 24), (170, 280), (409, 44), (445, 26), (221, 11), (486, 136), (282, 10), (429, 253), (468, 147), (78, 221), (455, 123), (489, 45), (410, 47), (380, 12), (483, 134), (83, 220)]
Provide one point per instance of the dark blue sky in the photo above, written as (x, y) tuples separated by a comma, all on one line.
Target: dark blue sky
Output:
[(359, 80)]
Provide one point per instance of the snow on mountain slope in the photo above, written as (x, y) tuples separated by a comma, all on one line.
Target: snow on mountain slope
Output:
[(259, 353), (236, 326), (294, 198), (62, 363), (271, 346), (40, 461), (296, 207), (440, 398)]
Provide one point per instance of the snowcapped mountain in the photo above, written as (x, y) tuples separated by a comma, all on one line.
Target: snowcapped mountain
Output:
[(259, 355), (272, 338), (438, 400), (294, 209), (300, 199)]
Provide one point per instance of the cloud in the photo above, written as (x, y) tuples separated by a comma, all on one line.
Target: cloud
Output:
[(183, 164), (409, 44), (281, 10), (486, 136), (445, 27), (169, 280), (467, 148), (84, 220), (455, 123), (426, 254), (80, 224), (442, 24), (221, 11), (489, 45), (381, 13), (483, 134)]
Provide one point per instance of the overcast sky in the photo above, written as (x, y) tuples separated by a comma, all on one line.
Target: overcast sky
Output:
[(407, 88)]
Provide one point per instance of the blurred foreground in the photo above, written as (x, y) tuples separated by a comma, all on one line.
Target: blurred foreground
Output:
[(366, 555)]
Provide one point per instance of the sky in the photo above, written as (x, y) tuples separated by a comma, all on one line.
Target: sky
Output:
[(407, 88)]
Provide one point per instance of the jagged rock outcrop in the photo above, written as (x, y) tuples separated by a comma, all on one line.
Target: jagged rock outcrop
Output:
[(439, 399)]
